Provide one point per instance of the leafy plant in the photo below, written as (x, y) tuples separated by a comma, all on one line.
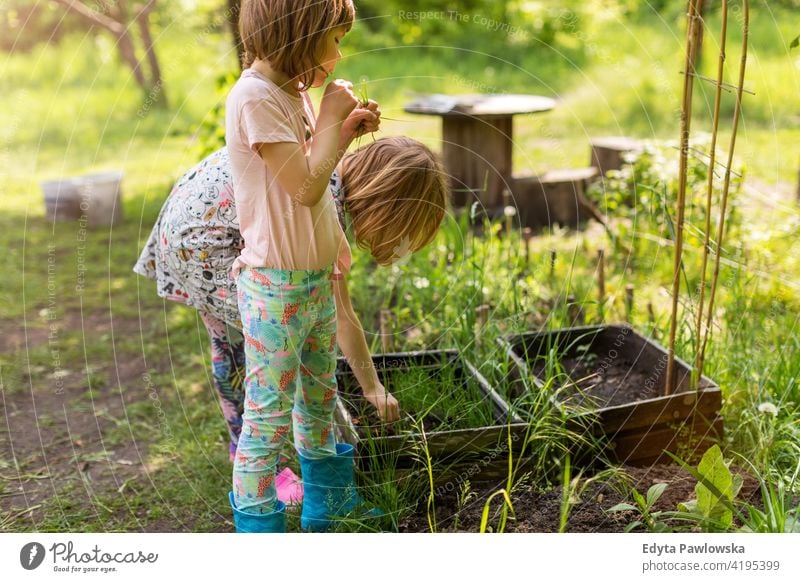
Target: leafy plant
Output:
[(778, 515), (716, 488), (637, 196), (431, 503), (648, 519)]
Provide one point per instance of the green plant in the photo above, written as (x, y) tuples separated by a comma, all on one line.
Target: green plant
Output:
[(566, 497), (431, 504), (716, 488), (778, 515), (638, 196), (648, 518), (465, 495), (507, 506), (438, 396)]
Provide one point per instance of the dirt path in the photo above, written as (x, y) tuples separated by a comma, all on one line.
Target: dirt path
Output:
[(55, 431)]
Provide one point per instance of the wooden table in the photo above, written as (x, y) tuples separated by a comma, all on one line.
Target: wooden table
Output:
[(477, 140)]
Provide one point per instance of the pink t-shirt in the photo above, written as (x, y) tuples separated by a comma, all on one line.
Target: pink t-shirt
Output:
[(278, 232)]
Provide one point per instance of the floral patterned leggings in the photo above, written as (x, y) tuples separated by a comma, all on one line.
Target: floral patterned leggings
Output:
[(228, 371), (289, 326)]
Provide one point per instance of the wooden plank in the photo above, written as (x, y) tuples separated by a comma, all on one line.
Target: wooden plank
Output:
[(461, 441), (655, 411), (449, 477), (686, 439), (476, 104)]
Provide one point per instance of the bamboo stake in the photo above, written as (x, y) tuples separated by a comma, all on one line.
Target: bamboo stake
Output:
[(726, 186), (686, 118), (508, 211), (574, 312), (710, 188), (527, 235), (481, 319), (482, 315), (387, 337), (628, 302), (601, 280)]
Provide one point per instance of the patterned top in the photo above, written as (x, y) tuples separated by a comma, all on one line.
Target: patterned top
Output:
[(196, 239)]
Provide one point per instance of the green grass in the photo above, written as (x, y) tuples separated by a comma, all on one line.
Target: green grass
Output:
[(440, 397), (71, 109)]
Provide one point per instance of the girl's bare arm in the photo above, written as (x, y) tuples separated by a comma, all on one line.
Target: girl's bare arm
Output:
[(351, 340)]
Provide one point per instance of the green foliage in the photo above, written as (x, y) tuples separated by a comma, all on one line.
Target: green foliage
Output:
[(716, 488), (641, 197), (510, 24), (716, 505), (648, 519), (440, 398), (211, 134), (485, 513), (25, 24), (778, 515)]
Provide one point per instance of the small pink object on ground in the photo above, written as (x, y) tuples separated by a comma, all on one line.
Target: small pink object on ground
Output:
[(289, 486)]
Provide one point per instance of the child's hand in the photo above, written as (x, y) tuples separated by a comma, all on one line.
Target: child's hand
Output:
[(388, 409), (362, 120), (338, 100)]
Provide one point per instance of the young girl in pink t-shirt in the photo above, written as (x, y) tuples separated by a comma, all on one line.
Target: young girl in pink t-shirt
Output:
[(290, 272)]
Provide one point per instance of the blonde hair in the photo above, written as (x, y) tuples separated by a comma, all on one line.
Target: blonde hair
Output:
[(290, 33), (395, 196)]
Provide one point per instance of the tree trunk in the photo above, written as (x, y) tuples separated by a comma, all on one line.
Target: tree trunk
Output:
[(157, 92), (233, 20), (128, 54), (114, 17)]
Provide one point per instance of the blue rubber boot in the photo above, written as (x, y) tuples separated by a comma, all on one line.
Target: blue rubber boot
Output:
[(274, 522), (329, 489)]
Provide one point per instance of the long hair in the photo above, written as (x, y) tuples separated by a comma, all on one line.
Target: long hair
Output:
[(395, 195)]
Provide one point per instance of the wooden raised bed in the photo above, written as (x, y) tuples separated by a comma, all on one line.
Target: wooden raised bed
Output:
[(450, 449), (615, 386)]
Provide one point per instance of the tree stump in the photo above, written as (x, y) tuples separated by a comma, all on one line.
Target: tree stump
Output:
[(557, 197), (607, 153)]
